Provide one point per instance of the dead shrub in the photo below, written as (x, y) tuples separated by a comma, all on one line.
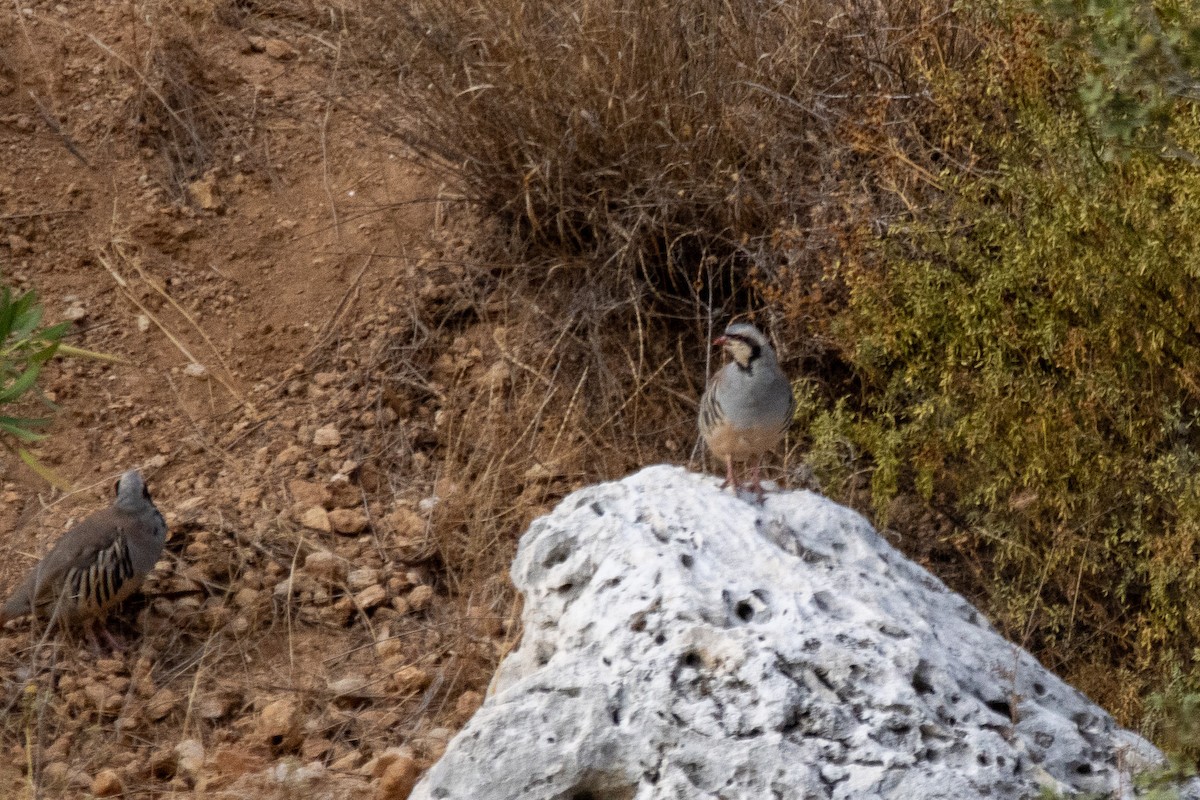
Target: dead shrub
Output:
[(659, 147)]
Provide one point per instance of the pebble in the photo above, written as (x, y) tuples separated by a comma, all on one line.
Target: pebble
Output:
[(361, 578), (317, 519), (371, 597), (420, 597), (324, 565), (162, 703), (348, 521), (107, 783), (309, 493), (410, 679), (189, 756), (398, 779), (352, 688), (279, 725), (327, 436)]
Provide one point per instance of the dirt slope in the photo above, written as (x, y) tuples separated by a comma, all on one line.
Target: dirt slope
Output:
[(253, 291)]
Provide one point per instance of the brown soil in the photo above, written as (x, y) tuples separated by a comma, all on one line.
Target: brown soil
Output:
[(255, 291)]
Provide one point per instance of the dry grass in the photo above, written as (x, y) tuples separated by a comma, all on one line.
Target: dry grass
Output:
[(659, 148)]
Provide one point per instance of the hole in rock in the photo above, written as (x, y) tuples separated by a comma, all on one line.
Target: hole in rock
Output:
[(691, 659), (922, 680), (1039, 689), (744, 611), (686, 560), (598, 786), (556, 556), (1001, 707)]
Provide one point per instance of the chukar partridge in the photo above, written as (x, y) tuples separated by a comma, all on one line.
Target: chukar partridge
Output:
[(748, 404), (96, 564)]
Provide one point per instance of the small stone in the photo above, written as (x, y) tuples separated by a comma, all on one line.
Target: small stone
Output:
[(19, 245), (317, 519), (55, 773), (370, 598), (289, 455), (75, 312), (110, 666), (205, 194), (143, 323), (378, 765), (195, 370), (189, 757), (279, 726), (104, 699), (361, 578), (398, 779), (404, 523), (324, 565), (327, 436), (161, 704), (213, 707), (468, 703), (107, 783), (420, 597), (348, 521), (309, 493), (411, 679), (345, 494), (351, 689), (245, 597), (347, 763)]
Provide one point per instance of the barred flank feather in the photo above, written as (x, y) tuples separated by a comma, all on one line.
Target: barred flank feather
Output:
[(92, 589)]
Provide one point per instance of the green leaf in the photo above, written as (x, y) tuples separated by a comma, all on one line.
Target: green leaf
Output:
[(21, 384), (47, 474), (13, 427)]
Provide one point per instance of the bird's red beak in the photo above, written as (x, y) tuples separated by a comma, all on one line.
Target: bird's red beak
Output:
[(719, 341)]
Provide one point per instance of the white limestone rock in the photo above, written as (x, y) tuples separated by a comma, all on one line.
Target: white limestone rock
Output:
[(681, 642)]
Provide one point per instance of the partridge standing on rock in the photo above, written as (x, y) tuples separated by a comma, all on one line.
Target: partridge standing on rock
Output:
[(748, 404), (96, 564)]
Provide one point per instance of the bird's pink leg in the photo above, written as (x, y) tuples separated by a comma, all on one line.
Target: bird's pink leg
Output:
[(116, 644), (730, 480), (755, 483)]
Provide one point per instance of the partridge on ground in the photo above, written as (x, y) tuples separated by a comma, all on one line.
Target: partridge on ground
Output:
[(96, 564), (748, 404)]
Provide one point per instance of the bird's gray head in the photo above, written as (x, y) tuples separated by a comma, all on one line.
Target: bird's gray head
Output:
[(745, 344), (132, 494)]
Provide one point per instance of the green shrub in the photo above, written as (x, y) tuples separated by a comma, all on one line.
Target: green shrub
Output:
[(1143, 67), (1029, 359), (25, 348)]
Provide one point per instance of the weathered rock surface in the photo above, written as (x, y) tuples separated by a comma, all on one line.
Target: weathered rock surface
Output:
[(683, 642)]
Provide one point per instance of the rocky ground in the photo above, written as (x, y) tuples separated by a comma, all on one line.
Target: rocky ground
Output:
[(277, 277)]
